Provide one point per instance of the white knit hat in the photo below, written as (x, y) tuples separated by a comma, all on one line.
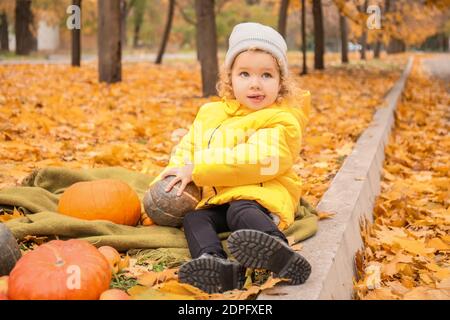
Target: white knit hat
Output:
[(255, 35)]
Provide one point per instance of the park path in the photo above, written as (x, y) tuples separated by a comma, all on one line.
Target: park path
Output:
[(65, 59), (439, 66)]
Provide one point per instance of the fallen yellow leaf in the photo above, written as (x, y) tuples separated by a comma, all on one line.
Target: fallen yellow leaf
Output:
[(413, 246), (155, 294), (151, 278), (183, 289), (325, 215), (438, 244), (439, 272)]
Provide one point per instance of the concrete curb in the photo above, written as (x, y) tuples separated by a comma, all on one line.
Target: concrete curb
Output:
[(351, 197)]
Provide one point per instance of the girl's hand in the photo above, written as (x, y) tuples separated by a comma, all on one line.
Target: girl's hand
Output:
[(183, 174)]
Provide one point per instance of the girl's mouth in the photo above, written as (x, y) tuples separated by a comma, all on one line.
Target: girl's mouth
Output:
[(256, 98)]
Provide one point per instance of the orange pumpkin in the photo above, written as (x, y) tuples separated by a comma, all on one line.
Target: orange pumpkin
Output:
[(4, 286), (105, 199), (145, 219), (114, 294), (113, 257), (60, 270)]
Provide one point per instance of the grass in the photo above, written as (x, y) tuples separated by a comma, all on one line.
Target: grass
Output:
[(260, 276), (383, 65), (13, 56), (387, 63), (156, 260), (122, 282), (160, 259)]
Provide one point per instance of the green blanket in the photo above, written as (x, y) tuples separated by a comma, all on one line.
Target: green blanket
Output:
[(38, 198)]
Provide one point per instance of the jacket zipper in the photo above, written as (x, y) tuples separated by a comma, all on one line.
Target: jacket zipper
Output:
[(209, 143)]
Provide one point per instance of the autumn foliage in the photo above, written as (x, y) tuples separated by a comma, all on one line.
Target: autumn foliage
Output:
[(406, 253), (67, 119)]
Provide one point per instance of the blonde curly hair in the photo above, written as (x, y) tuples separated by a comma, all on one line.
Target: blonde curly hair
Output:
[(225, 88)]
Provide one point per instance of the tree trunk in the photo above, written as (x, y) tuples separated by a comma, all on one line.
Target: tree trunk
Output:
[(377, 50), (207, 45), (344, 39), (138, 9), (25, 41), (123, 22), (109, 46), (167, 29), (396, 46), (379, 43), (76, 40), (444, 42), (282, 17), (137, 31), (4, 41), (198, 41), (303, 15), (363, 39), (319, 36)]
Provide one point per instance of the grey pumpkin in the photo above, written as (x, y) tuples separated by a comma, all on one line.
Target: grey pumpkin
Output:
[(9, 251), (165, 208)]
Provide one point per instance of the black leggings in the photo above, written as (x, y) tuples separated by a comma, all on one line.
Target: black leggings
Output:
[(202, 226)]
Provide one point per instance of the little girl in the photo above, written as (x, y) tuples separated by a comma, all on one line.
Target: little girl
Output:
[(240, 151)]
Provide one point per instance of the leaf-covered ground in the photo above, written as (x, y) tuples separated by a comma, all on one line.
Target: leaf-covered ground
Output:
[(407, 249), (61, 116), (56, 115)]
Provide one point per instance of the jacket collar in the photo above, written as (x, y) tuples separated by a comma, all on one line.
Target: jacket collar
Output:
[(235, 108), (294, 107)]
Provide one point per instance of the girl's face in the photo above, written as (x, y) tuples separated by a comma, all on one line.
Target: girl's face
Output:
[(255, 79)]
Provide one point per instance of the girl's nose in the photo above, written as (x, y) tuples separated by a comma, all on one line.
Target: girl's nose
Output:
[(254, 83)]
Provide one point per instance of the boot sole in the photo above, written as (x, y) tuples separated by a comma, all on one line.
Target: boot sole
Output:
[(211, 275), (256, 249)]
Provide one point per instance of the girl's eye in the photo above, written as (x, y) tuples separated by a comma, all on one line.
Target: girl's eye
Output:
[(267, 75), (244, 74)]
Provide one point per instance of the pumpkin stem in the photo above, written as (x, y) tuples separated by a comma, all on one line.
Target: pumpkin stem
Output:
[(59, 261)]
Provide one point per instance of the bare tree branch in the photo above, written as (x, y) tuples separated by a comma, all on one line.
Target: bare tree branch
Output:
[(184, 15), (220, 6)]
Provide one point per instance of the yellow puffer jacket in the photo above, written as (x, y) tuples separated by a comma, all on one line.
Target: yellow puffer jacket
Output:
[(243, 154)]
